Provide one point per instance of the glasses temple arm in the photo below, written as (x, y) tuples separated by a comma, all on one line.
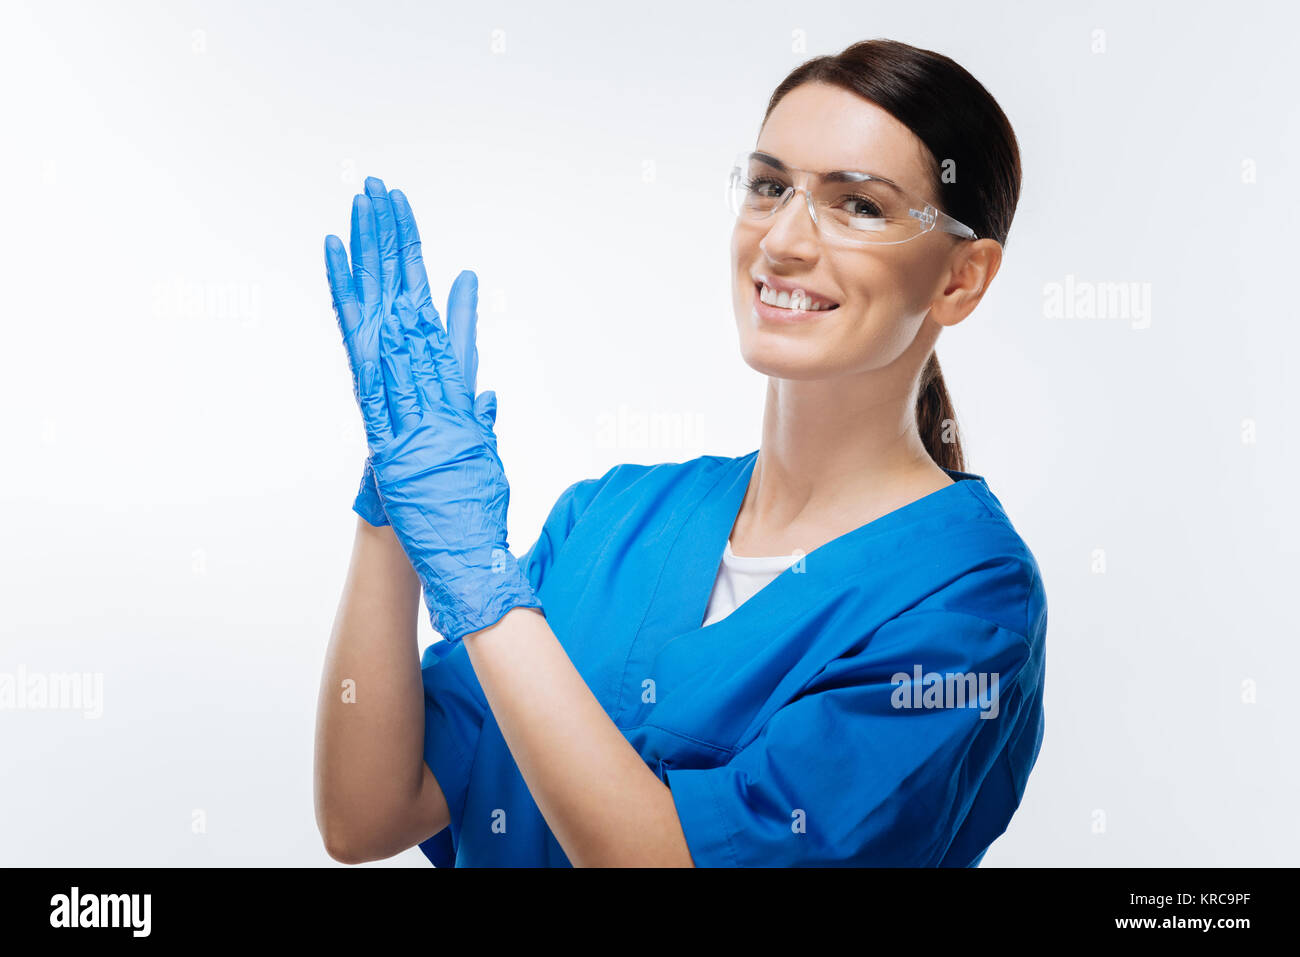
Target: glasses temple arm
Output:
[(951, 225)]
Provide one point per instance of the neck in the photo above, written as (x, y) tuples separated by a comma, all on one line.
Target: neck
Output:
[(837, 453)]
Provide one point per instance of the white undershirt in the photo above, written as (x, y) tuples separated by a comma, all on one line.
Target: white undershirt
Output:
[(739, 579)]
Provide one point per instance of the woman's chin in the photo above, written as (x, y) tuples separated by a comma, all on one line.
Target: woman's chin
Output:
[(781, 360)]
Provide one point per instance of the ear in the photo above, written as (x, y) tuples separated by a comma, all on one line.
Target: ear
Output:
[(974, 264)]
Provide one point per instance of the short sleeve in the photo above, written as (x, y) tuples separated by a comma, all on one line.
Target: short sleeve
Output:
[(879, 760), (454, 708), (454, 705), (564, 514)]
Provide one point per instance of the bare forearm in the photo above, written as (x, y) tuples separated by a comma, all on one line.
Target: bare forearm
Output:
[(370, 715), (600, 799)]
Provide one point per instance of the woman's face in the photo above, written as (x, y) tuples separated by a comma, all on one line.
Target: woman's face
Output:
[(884, 292)]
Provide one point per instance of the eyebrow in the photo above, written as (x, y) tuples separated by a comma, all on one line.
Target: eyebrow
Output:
[(830, 176)]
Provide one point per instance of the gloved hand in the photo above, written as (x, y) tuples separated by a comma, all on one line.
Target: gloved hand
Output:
[(385, 254), (433, 449), (441, 483)]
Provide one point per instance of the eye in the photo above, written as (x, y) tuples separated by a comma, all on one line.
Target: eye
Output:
[(765, 186), (862, 207)]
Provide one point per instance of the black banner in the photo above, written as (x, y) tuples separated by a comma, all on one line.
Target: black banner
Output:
[(332, 904)]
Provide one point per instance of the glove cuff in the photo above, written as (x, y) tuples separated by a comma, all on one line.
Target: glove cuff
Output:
[(452, 618), (367, 503)]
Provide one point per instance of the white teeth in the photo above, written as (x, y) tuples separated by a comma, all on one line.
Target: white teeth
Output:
[(795, 300)]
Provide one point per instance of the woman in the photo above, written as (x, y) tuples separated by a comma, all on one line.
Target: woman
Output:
[(827, 652)]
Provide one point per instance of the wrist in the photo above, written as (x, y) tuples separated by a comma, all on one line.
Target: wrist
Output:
[(454, 618), (510, 619)]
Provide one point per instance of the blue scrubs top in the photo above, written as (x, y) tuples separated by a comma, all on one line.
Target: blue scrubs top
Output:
[(818, 724)]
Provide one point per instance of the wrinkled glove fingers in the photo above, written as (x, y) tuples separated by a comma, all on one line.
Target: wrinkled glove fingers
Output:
[(445, 365), (374, 404), (416, 331), (415, 282), (346, 308), (390, 276), (365, 259), (399, 382)]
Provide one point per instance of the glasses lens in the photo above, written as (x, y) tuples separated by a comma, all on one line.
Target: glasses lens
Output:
[(869, 211), (851, 208), (755, 189)]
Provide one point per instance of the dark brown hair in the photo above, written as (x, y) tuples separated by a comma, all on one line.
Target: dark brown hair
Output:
[(958, 121)]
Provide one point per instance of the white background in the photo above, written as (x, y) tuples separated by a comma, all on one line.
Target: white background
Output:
[(183, 446)]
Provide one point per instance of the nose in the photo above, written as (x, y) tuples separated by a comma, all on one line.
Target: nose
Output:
[(792, 235)]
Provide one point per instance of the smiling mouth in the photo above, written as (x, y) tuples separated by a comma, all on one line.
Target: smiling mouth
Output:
[(794, 301)]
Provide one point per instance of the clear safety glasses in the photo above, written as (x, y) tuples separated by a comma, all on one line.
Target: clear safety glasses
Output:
[(849, 208)]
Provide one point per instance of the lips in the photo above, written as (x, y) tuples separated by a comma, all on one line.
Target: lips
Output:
[(795, 291), (765, 312)]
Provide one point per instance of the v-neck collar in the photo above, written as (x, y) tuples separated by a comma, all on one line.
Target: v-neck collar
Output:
[(679, 599), (697, 552)]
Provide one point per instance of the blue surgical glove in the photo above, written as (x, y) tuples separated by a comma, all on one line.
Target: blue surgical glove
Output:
[(442, 485), (468, 581), (385, 252)]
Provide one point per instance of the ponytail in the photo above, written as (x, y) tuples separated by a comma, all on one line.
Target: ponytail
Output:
[(936, 420)]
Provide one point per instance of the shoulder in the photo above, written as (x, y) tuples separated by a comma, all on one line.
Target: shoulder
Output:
[(633, 479), (993, 573)]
